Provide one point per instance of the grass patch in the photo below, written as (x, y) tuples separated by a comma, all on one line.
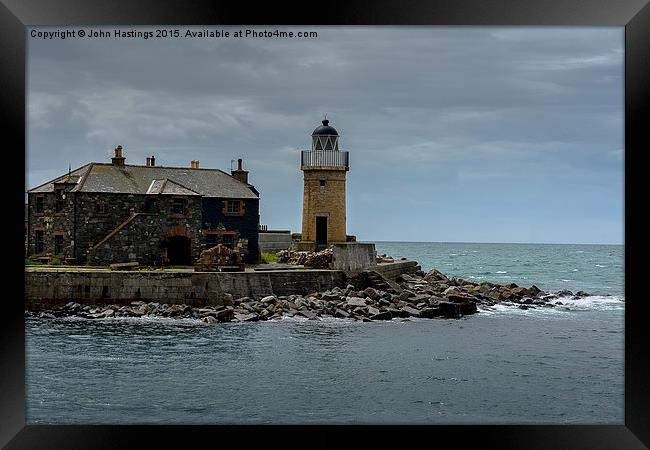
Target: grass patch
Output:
[(269, 258), (31, 261)]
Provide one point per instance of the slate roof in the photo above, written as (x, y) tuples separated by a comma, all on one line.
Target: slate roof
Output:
[(132, 179)]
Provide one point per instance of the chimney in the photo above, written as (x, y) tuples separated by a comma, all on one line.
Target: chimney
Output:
[(194, 164), (151, 161), (240, 174), (118, 159)]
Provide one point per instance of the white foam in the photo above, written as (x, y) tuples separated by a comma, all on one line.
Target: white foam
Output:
[(501, 271), (569, 305)]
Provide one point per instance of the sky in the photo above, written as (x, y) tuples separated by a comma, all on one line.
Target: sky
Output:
[(455, 134)]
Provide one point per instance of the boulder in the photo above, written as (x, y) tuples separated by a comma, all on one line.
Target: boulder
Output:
[(355, 301), (270, 299), (338, 312), (449, 309), (225, 315), (386, 315), (430, 313), (247, 317), (410, 311), (372, 293), (209, 320), (372, 311)]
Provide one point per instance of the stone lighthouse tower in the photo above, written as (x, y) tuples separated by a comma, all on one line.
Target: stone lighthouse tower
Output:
[(323, 205)]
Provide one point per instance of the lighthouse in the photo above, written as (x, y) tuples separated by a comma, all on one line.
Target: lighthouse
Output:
[(323, 208)]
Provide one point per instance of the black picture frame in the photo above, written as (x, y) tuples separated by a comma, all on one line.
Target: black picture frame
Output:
[(634, 15)]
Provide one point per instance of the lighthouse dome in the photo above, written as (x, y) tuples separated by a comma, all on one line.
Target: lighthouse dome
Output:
[(325, 130)]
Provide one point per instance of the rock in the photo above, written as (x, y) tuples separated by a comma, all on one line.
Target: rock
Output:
[(411, 311), (247, 317), (430, 313), (434, 275), (580, 294), (534, 290), (527, 301), (405, 294), (209, 320), (225, 315), (269, 299), (564, 293), (372, 311), (372, 293), (468, 308), (341, 313), (308, 314), (450, 291), (355, 301), (72, 307), (386, 315), (44, 315), (523, 306), (449, 309)]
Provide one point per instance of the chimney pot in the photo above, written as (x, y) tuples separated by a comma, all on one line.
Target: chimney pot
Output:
[(239, 164), (118, 159), (153, 160)]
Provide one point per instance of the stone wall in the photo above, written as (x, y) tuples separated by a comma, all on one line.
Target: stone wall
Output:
[(353, 256), (395, 269), (274, 241), (87, 218), (143, 237), (43, 287)]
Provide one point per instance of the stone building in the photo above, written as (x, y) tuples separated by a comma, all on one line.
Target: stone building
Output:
[(323, 210), (103, 213)]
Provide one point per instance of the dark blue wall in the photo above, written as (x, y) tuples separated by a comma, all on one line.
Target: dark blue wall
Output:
[(247, 225)]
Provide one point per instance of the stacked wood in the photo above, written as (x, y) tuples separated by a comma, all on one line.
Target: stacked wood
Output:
[(219, 256)]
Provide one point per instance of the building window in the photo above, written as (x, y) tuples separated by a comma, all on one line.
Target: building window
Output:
[(322, 182), (233, 208), (58, 200), (58, 244), (100, 207), (38, 241), (39, 204), (179, 205)]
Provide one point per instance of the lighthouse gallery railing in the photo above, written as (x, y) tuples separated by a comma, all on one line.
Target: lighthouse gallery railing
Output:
[(326, 158)]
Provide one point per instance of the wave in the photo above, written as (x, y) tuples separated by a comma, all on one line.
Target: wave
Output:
[(566, 305)]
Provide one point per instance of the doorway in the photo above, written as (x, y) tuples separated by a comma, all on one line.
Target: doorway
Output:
[(321, 231), (179, 251)]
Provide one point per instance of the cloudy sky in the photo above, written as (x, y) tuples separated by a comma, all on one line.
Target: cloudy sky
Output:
[(471, 134)]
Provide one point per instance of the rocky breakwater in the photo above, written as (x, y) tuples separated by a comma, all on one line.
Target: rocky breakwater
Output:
[(368, 297)]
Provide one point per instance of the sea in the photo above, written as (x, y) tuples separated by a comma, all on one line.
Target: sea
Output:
[(503, 365)]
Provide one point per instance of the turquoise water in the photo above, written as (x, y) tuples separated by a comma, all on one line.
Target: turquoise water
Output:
[(503, 365), (597, 269)]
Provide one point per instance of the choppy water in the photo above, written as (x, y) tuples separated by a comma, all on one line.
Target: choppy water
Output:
[(503, 365)]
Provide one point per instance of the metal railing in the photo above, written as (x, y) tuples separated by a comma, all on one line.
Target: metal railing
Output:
[(327, 158)]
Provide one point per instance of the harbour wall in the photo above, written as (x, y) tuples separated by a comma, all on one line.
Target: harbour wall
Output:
[(50, 287)]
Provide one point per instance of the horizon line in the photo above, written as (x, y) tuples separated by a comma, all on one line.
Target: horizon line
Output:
[(477, 242)]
